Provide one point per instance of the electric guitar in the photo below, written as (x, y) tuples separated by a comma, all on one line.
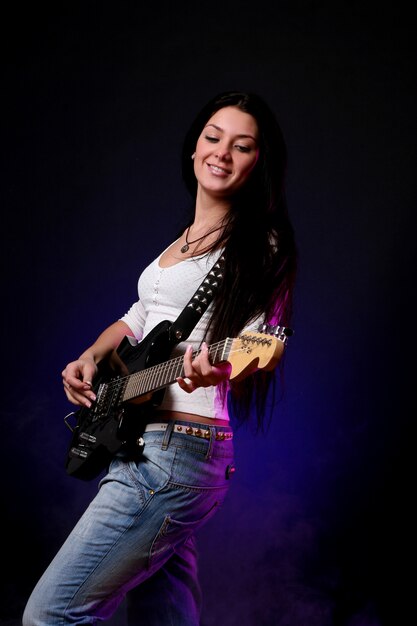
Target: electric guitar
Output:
[(143, 373)]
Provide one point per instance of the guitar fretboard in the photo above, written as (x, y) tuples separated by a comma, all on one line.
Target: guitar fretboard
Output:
[(164, 374)]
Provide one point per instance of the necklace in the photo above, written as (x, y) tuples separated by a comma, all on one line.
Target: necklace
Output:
[(187, 244)]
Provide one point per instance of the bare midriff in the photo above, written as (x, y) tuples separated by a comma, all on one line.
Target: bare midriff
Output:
[(188, 417)]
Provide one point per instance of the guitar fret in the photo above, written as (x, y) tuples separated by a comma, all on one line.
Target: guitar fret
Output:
[(141, 382), (159, 380), (158, 376), (226, 349), (216, 352), (153, 378), (172, 370), (150, 377)]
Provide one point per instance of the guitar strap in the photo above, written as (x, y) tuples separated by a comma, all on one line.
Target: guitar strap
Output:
[(199, 303)]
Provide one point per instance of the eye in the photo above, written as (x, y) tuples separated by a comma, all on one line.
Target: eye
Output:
[(243, 148), (211, 138)]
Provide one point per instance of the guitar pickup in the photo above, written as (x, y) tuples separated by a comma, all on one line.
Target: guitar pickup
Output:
[(86, 437), (82, 454)]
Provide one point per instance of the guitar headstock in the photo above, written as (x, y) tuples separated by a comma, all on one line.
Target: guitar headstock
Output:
[(260, 349)]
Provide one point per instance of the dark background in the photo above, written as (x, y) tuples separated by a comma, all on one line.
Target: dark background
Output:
[(96, 98)]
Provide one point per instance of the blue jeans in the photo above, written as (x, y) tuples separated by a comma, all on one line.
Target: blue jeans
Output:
[(139, 527)]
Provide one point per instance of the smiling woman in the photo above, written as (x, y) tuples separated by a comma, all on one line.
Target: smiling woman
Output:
[(226, 153), (171, 473)]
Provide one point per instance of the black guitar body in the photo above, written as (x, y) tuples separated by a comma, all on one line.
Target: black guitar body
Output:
[(101, 430)]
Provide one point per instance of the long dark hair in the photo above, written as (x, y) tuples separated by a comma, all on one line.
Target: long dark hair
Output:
[(258, 242)]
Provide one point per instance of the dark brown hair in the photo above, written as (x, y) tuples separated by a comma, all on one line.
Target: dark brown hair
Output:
[(258, 241)]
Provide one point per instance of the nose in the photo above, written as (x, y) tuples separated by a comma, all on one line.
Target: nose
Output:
[(223, 152)]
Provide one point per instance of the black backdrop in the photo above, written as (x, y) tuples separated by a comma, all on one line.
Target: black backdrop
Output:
[(96, 99)]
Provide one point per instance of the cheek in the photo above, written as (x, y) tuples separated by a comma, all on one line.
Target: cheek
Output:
[(199, 154), (248, 167), (199, 146), (197, 163)]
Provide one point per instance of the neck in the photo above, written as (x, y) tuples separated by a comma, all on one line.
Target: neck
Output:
[(209, 211)]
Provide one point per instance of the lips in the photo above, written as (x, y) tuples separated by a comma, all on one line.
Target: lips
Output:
[(218, 171)]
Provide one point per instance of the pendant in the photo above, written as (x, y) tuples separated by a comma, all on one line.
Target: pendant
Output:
[(185, 248)]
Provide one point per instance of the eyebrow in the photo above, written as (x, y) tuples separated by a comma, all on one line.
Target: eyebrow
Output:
[(241, 136)]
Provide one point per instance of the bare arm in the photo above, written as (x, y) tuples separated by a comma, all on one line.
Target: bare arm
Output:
[(79, 374)]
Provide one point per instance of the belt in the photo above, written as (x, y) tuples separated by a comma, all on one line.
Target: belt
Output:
[(189, 430)]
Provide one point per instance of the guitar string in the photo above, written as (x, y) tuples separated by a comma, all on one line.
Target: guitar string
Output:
[(155, 370), (164, 367), (178, 360)]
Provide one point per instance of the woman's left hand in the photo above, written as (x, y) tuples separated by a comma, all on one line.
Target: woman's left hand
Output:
[(199, 372)]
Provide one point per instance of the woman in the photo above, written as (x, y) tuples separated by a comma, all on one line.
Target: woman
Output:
[(140, 527)]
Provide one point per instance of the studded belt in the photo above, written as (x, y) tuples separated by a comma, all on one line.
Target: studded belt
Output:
[(202, 433)]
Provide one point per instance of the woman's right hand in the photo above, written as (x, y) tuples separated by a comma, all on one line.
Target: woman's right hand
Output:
[(77, 378), (78, 375)]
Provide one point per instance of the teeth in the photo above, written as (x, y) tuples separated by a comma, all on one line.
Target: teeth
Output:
[(218, 169)]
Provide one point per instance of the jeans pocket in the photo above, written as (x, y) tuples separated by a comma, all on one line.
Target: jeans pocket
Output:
[(153, 470), (174, 532)]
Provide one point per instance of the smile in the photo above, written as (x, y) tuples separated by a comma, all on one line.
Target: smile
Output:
[(215, 169)]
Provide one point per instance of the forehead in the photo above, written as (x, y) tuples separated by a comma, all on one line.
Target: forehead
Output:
[(234, 121)]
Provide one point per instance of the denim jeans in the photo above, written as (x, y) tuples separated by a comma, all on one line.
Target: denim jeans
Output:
[(139, 527)]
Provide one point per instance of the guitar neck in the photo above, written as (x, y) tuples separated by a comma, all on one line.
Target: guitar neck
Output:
[(164, 374)]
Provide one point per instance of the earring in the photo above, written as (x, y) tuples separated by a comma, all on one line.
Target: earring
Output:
[(193, 156)]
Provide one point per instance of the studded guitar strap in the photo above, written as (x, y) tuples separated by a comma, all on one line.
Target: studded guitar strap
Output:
[(199, 303)]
